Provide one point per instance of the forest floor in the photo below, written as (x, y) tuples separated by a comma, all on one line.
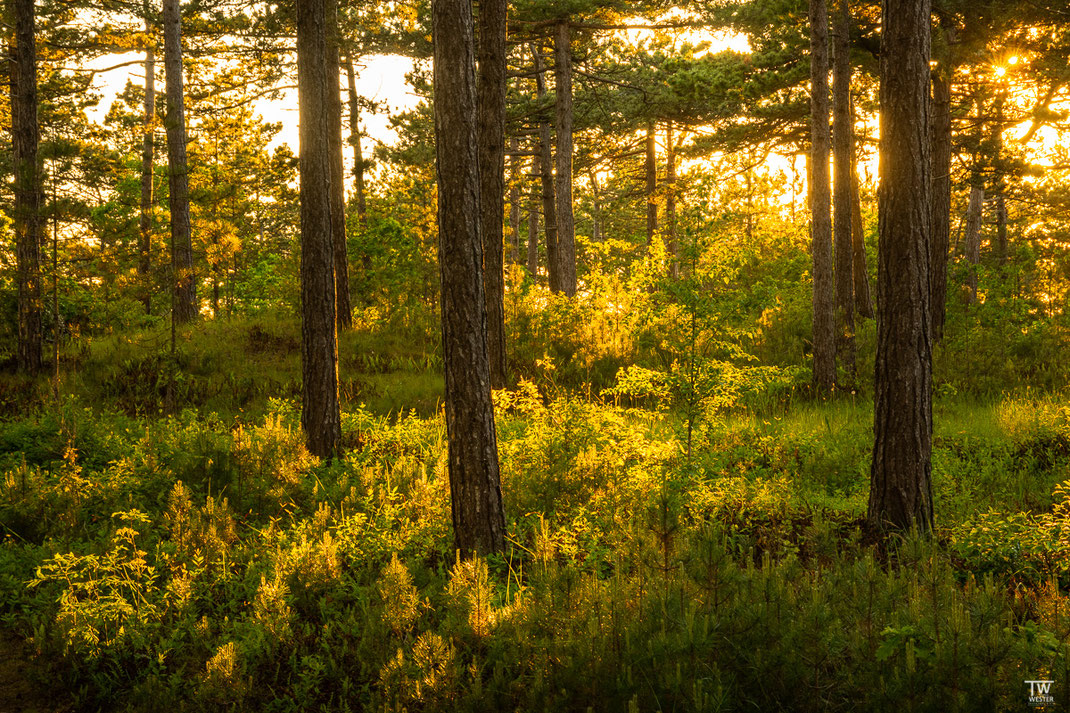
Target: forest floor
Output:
[(18, 691)]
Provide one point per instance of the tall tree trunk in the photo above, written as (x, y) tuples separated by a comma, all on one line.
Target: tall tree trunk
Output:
[(1001, 228), (148, 150), (900, 493), (650, 168), (28, 187), (354, 140), (566, 218), (596, 213), (185, 284), (860, 266), (972, 244), (342, 299), (515, 169), (320, 416), (843, 129), (475, 488), (491, 118), (940, 145), (672, 245), (821, 219), (533, 211), (546, 166)]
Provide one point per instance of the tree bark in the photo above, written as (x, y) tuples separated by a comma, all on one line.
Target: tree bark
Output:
[(843, 130), (650, 167), (941, 197), (901, 475), (148, 151), (28, 187), (533, 212), (821, 218), (491, 119), (185, 283), (566, 218), (972, 244), (1001, 228), (475, 490), (354, 140), (320, 416), (672, 245), (596, 200), (546, 166), (343, 300), (860, 267)]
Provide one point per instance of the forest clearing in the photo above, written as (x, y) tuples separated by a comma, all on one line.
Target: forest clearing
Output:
[(657, 357)]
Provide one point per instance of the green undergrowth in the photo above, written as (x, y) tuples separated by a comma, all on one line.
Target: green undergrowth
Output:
[(207, 562)]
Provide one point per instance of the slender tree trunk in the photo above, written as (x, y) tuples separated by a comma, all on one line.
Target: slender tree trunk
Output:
[(566, 218), (354, 140), (185, 284), (843, 161), (533, 212), (148, 150), (650, 167), (491, 118), (343, 300), (596, 215), (320, 416), (28, 187), (475, 489), (972, 244), (672, 246), (941, 196), (901, 477), (546, 166), (515, 170), (1001, 228), (860, 266), (821, 219)]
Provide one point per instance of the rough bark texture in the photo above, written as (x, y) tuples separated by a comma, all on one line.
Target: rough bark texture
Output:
[(514, 201), (148, 151), (546, 167), (354, 140), (566, 218), (343, 302), (672, 245), (821, 218), (25, 135), (475, 490), (901, 476), (650, 167), (319, 348), (972, 239), (533, 212), (843, 163), (185, 285), (491, 121), (940, 146)]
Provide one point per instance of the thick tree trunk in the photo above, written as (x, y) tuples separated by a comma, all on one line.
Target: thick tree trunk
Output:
[(320, 417), (821, 219), (972, 244), (491, 118), (843, 130), (901, 477), (566, 218), (546, 167), (672, 245), (148, 151), (475, 489), (940, 145), (650, 168), (533, 212), (354, 140), (515, 170), (343, 301), (185, 284), (28, 186)]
